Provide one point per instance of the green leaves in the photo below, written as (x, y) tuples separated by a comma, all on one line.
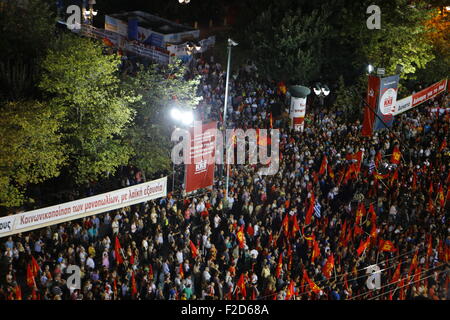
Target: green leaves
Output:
[(82, 83), (31, 148)]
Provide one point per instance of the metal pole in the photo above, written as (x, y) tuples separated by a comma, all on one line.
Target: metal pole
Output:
[(225, 119)]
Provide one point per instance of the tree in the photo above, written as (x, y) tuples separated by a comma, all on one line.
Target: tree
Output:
[(31, 149), (26, 34), (83, 84), (287, 45), (159, 88), (401, 39)]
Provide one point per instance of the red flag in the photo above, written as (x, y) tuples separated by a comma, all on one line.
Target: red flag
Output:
[(150, 272), (295, 226), (377, 158), (285, 225), (430, 246), (373, 215), (416, 278), (323, 166), (315, 251), (35, 268), (357, 230), (34, 295), (241, 286), (373, 232), (363, 246), (181, 271), (396, 275), (18, 292), (30, 277), (290, 291), (356, 156), (378, 176), (386, 245), (328, 267), (396, 155), (241, 237), (314, 287), (330, 171), (194, 251), (401, 285), (443, 145), (133, 285), (279, 265), (414, 262), (117, 252), (441, 196), (360, 212), (414, 181), (310, 209), (394, 176), (250, 231)]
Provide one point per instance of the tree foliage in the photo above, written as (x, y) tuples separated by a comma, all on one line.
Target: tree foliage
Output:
[(160, 89), (287, 45), (83, 83), (25, 35), (31, 149)]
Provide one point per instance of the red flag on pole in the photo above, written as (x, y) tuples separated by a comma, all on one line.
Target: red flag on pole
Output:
[(323, 166), (30, 277), (328, 267), (295, 226), (133, 285), (117, 252), (279, 265), (310, 209), (363, 246), (194, 251), (241, 286), (35, 268), (396, 155)]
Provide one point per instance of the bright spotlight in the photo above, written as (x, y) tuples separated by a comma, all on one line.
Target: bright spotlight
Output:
[(176, 114), (187, 117), (370, 68)]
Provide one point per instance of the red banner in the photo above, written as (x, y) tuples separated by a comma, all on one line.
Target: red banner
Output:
[(369, 116), (199, 169), (417, 98)]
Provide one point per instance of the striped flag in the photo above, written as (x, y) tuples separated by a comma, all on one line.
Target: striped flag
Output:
[(371, 166), (317, 208)]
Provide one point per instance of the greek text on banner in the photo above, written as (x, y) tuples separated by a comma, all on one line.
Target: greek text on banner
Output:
[(72, 210)]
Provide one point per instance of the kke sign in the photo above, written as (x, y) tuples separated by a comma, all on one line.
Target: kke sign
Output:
[(77, 209), (200, 164)]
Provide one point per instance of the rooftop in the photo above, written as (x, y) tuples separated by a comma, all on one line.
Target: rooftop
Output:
[(154, 23)]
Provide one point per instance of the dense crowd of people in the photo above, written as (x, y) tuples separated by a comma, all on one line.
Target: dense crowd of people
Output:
[(339, 204)]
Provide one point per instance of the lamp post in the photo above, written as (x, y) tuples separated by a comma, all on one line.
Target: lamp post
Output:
[(321, 91), (89, 14), (184, 1), (231, 44)]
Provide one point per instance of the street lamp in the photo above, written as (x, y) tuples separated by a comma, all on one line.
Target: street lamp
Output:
[(90, 14), (185, 117), (321, 91), (370, 68), (231, 44), (184, 1)]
